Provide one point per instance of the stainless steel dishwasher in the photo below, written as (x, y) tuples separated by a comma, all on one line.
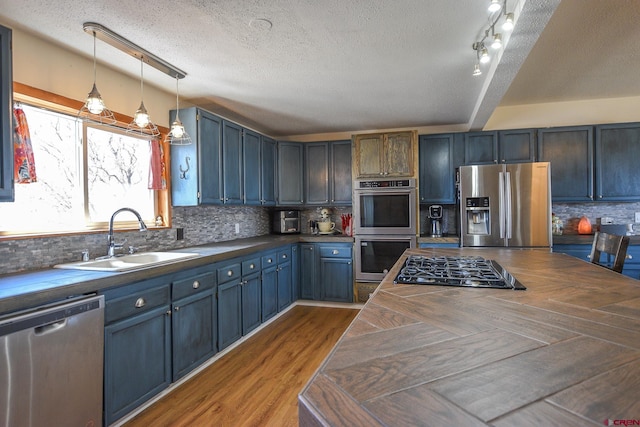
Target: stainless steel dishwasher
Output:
[(51, 365)]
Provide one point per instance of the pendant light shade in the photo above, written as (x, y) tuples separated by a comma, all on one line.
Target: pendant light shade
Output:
[(178, 135), (142, 124), (94, 108)]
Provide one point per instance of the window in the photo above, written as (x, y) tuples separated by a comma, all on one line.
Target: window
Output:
[(79, 186)]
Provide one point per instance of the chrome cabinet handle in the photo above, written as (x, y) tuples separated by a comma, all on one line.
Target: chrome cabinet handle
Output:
[(335, 252), (269, 260), (196, 284), (252, 266), (177, 308), (140, 302), (284, 256), (230, 273)]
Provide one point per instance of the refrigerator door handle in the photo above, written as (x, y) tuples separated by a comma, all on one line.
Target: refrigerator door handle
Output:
[(501, 204), (508, 205)]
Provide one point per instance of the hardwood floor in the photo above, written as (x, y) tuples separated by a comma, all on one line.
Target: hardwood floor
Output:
[(256, 383)]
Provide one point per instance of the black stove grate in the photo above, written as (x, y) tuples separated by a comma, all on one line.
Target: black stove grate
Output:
[(468, 271)]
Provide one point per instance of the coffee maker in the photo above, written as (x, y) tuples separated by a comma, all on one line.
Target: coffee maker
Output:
[(435, 214)]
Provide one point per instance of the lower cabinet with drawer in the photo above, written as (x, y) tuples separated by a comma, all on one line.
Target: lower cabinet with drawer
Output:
[(156, 331), (229, 303), (326, 271), (631, 264)]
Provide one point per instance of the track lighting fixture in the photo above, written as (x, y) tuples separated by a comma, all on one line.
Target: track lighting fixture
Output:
[(178, 135), (94, 108), (142, 123), (497, 11)]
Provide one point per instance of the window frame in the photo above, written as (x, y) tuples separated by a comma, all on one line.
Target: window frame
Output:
[(40, 98)]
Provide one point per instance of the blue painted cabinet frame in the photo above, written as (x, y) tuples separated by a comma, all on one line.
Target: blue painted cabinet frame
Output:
[(6, 116)]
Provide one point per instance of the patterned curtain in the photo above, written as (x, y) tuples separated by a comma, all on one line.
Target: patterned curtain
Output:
[(23, 163), (157, 172)]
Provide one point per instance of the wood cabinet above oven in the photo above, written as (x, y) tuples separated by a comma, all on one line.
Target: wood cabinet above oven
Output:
[(385, 154)]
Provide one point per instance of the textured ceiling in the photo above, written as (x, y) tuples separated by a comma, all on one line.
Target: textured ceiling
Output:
[(292, 67)]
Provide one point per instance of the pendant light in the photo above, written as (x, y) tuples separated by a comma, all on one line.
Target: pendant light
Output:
[(142, 123), (178, 135), (94, 108)]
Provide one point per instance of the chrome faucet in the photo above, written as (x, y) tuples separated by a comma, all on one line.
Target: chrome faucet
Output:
[(112, 243)]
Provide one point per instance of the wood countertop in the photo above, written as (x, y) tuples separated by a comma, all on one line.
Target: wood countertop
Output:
[(564, 352)]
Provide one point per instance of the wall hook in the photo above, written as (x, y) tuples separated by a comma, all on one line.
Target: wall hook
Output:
[(183, 172)]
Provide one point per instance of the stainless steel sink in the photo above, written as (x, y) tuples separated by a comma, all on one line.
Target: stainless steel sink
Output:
[(129, 262)]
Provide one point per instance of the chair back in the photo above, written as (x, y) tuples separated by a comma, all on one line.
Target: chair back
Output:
[(611, 244)]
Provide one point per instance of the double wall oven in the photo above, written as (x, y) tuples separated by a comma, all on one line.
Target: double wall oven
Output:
[(385, 224)]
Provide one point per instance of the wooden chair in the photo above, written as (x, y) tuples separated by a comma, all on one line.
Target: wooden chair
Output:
[(611, 244)]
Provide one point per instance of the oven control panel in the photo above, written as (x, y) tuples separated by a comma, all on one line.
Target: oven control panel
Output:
[(409, 183)]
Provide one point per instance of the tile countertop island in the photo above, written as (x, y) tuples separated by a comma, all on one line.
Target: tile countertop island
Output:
[(564, 352)]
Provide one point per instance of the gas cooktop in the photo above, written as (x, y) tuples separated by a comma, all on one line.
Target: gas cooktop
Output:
[(468, 271)]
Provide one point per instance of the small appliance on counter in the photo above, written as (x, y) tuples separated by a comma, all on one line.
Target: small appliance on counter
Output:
[(435, 214), (286, 222), (325, 225)]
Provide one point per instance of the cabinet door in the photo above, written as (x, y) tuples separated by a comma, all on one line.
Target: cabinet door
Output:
[(193, 327), (517, 146), (137, 361), (269, 292), (570, 152), (232, 162), (369, 155), (308, 279), (251, 303), (340, 173), (196, 169), (251, 163), (268, 171), (317, 173), (284, 285), (337, 279), (398, 154), (480, 148), (437, 174), (295, 272), (6, 116), (617, 167), (290, 173), (229, 313)]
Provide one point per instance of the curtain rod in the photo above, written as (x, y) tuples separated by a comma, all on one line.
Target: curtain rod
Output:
[(119, 42)]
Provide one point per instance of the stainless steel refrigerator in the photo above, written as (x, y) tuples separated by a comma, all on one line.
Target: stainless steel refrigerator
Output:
[(505, 205)]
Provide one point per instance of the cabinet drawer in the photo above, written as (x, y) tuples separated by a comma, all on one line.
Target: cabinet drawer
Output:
[(284, 255), (335, 251), (192, 285), (228, 272), (136, 303), (250, 266), (269, 260)]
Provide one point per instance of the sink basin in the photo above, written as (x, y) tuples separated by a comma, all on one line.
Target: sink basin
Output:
[(129, 262)]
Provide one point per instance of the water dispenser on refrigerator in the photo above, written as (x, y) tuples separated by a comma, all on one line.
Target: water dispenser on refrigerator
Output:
[(478, 216)]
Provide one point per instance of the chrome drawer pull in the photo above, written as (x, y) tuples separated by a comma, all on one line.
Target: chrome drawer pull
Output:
[(140, 302), (196, 284), (284, 256), (230, 273), (252, 266), (335, 252), (269, 260)]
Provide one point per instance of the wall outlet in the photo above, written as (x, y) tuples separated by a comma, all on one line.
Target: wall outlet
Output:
[(237, 228), (179, 233), (637, 220)]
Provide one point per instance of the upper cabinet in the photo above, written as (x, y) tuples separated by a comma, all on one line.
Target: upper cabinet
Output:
[(570, 152), (385, 154), (268, 154), (290, 173), (251, 168), (232, 163), (6, 117), (480, 148), (507, 146), (437, 169), (328, 173), (617, 154), (195, 168)]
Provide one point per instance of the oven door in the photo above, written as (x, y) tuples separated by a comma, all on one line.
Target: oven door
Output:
[(385, 211), (375, 255)]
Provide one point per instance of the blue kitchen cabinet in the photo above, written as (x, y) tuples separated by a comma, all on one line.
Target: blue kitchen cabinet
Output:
[(251, 163), (570, 152), (340, 180), (232, 163), (295, 272), (284, 278), (517, 146), (193, 321), (631, 264), (229, 305), (617, 171), (137, 350), (576, 250), (196, 168), (316, 168), (436, 169), (336, 272), (6, 116), (268, 159), (269, 285), (480, 148), (251, 294), (309, 288), (290, 174)]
